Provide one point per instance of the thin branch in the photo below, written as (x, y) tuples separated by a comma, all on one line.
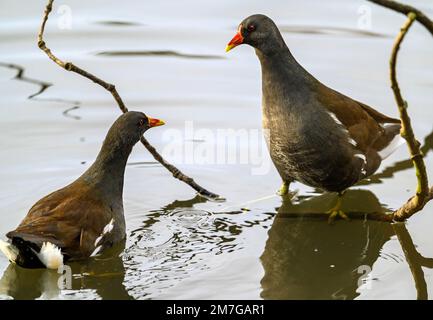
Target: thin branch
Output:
[(426, 262), (406, 9), (417, 202), (69, 66)]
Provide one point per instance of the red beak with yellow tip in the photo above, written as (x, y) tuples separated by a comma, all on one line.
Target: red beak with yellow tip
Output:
[(237, 40), (155, 122)]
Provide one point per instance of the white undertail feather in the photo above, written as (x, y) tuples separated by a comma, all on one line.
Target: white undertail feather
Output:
[(50, 255), (389, 149), (9, 250)]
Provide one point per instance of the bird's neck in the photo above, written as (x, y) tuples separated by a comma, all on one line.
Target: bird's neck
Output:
[(284, 81), (280, 70), (108, 170), (286, 86)]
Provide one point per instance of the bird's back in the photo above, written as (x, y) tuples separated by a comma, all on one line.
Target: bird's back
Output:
[(67, 218)]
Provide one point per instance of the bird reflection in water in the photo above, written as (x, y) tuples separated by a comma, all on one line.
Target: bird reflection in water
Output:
[(305, 258), (101, 277)]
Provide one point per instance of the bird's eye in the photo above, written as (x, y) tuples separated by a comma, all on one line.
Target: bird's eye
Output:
[(251, 28), (141, 123)]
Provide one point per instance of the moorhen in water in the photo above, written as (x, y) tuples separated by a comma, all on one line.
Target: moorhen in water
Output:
[(85, 217), (317, 135)]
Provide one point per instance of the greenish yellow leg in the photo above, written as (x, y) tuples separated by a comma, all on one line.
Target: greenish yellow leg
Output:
[(336, 211), (284, 189)]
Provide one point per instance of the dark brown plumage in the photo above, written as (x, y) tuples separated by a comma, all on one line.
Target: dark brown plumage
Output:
[(85, 217)]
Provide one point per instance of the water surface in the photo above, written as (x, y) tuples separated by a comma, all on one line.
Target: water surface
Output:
[(167, 59)]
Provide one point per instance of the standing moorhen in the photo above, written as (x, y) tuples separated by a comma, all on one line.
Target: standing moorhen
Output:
[(85, 217), (317, 135)]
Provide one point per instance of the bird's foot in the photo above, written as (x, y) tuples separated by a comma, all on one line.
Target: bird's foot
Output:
[(336, 211), (284, 189), (335, 214)]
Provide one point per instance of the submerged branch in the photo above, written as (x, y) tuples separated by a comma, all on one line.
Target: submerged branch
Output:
[(69, 66), (413, 258), (373, 216)]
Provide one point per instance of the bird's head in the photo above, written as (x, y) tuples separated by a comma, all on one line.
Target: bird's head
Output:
[(260, 32), (130, 126)]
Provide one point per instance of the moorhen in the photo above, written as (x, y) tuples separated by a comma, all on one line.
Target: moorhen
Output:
[(317, 136), (85, 217)]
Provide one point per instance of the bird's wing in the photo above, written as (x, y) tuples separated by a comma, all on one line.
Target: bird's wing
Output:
[(364, 124), (376, 115), (61, 218)]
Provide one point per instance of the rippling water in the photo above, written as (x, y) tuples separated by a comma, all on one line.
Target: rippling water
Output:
[(167, 59)]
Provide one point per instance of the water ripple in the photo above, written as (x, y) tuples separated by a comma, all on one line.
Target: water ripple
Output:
[(337, 31), (118, 23), (43, 87), (176, 242), (157, 53)]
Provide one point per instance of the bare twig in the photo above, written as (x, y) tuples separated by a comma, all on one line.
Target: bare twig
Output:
[(69, 66), (423, 193), (417, 202), (406, 9)]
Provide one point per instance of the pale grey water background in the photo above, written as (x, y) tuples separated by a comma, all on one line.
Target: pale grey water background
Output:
[(179, 245)]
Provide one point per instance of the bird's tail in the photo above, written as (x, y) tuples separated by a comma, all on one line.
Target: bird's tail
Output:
[(9, 250), (393, 140), (50, 255), (29, 255)]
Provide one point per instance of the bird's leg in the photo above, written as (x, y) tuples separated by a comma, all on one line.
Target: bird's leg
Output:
[(284, 189), (336, 210)]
